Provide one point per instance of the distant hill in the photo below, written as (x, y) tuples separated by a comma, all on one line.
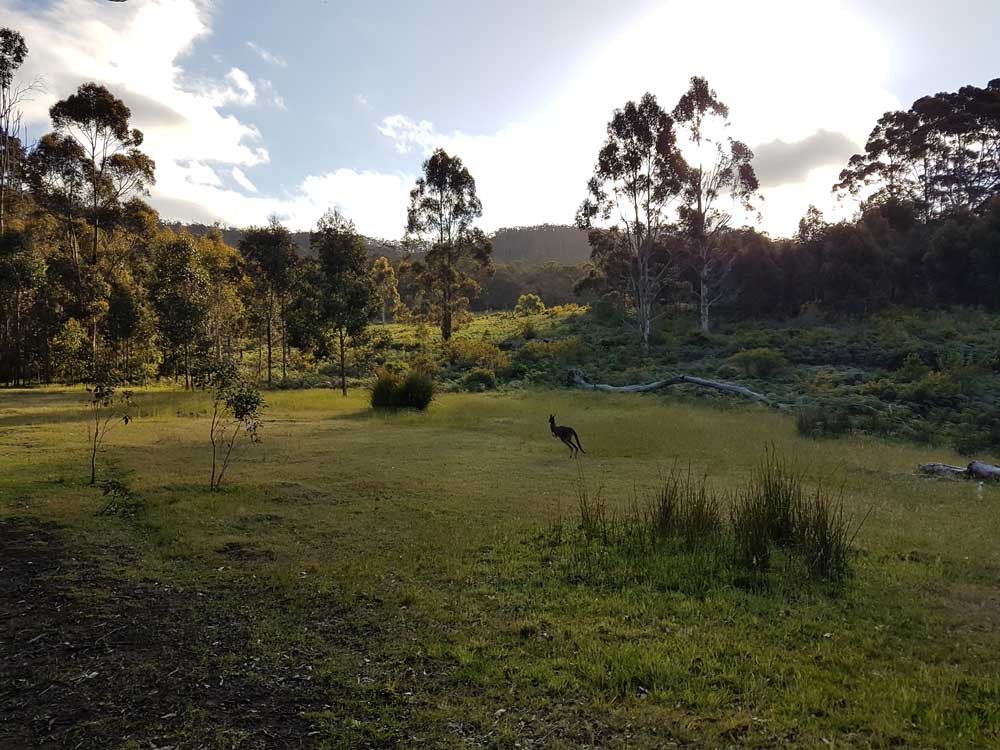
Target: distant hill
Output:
[(541, 244), (530, 245)]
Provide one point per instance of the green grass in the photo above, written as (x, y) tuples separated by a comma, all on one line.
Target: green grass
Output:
[(444, 535)]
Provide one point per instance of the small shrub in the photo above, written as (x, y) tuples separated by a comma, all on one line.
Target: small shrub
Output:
[(529, 304), (761, 362), (912, 368), (529, 331), (727, 372), (822, 421), (480, 379)]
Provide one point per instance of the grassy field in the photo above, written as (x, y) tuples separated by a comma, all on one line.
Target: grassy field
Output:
[(406, 581)]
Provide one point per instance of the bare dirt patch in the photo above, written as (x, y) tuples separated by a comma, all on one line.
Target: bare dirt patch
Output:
[(93, 662)]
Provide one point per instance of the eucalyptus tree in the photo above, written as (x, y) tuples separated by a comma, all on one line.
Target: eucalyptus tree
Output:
[(179, 290), (13, 52), (443, 207), (349, 299), (270, 253), (942, 154), (638, 176), (723, 169), (386, 285), (113, 167)]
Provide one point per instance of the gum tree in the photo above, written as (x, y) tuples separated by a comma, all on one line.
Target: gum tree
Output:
[(443, 207), (638, 176)]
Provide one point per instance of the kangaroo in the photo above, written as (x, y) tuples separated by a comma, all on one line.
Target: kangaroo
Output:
[(567, 435)]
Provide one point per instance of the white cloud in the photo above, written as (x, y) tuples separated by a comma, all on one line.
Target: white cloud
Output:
[(266, 56), (786, 68), (243, 181), (362, 101), (409, 135), (781, 66)]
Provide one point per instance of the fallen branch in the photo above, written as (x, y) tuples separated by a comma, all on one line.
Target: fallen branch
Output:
[(975, 470), (578, 379)]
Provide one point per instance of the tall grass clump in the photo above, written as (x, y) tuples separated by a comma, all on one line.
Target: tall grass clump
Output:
[(750, 520), (775, 489), (680, 539), (823, 536)]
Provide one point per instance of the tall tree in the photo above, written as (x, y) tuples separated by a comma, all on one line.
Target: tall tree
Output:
[(179, 289), (942, 154), (443, 207), (349, 297), (270, 252), (639, 173), (384, 278), (723, 169), (112, 164), (13, 52), (22, 272)]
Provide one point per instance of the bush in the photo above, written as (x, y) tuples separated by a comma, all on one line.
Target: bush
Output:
[(529, 304), (565, 350), (761, 362), (417, 391), (480, 379), (469, 353), (820, 421), (529, 331), (392, 391), (385, 389)]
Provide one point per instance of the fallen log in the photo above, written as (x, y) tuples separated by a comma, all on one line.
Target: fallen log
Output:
[(975, 470), (578, 379)]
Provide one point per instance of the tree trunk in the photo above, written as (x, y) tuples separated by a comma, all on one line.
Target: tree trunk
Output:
[(343, 362), (578, 379), (446, 325), (269, 350), (704, 304), (975, 470), (284, 344)]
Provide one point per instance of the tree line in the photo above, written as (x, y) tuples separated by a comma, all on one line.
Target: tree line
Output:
[(92, 282), (927, 231)]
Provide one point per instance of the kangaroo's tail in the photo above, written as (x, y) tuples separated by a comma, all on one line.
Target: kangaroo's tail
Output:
[(578, 446)]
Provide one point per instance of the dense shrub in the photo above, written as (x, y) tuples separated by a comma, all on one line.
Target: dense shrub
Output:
[(529, 331), (468, 353), (480, 379), (392, 390), (822, 421), (762, 362), (529, 304), (564, 350)]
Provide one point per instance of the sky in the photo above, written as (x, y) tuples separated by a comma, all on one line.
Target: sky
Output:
[(254, 108)]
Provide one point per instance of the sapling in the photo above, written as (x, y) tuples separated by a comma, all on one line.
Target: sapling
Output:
[(236, 408), (107, 406)]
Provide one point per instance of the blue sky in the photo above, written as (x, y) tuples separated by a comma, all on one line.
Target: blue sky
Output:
[(257, 108)]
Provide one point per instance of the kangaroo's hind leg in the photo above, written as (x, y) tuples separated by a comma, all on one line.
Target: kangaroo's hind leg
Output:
[(569, 444)]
